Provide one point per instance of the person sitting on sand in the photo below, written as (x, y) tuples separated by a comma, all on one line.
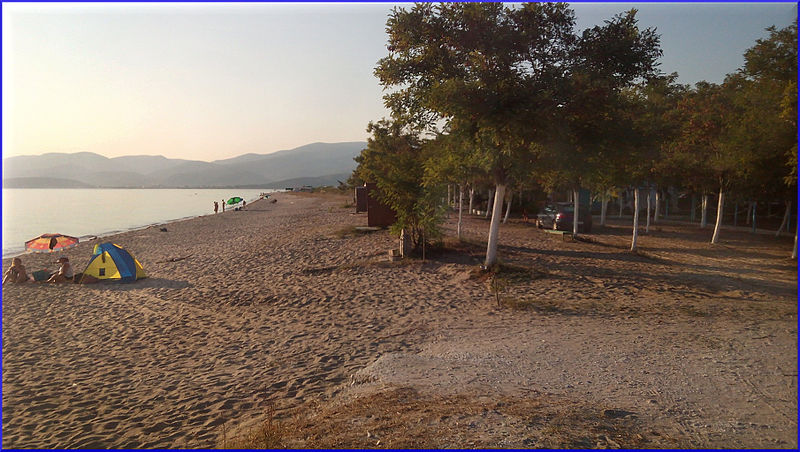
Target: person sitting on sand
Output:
[(16, 273), (64, 273)]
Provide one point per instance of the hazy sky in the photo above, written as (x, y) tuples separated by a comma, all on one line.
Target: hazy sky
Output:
[(212, 81)]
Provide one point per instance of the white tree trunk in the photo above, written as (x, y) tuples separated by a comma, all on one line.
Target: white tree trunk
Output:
[(494, 226), (575, 210), (749, 212), (704, 211), (784, 223), (471, 198), (794, 250), (489, 204), (647, 222), (635, 218), (718, 224), (508, 208), (603, 210), (657, 207), (672, 201), (460, 208), (449, 196)]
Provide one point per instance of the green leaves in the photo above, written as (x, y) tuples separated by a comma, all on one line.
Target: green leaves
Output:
[(395, 160)]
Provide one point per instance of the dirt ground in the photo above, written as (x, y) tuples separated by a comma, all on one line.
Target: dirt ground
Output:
[(684, 344), (284, 326)]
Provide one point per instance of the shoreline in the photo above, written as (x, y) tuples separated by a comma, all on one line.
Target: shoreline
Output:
[(102, 235), (285, 307), (19, 250)]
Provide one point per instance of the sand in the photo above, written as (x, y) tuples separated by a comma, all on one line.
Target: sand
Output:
[(284, 307)]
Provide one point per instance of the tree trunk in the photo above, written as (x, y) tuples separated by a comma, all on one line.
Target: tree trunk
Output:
[(647, 222), (603, 210), (794, 250), (753, 219), (460, 208), (704, 212), (575, 215), (471, 198), (492, 193), (736, 214), (494, 226), (749, 213), (672, 202), (718, 225), (620, 204), (785, 219), (635, 219), (449, 196), (657, 207), (508, 208)]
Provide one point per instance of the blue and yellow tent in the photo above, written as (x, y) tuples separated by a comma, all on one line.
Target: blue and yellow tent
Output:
[(111, 261)]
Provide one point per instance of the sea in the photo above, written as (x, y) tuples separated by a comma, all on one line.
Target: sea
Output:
[(85, 213)]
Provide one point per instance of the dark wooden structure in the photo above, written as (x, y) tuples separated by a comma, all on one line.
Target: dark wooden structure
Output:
[(361, 199), (378, 213)]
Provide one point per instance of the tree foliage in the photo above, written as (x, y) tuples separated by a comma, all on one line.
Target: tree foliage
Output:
[(513, 96), (395, 160)]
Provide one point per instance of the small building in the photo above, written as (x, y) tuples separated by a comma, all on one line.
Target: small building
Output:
[(378, 213), (361, 199)]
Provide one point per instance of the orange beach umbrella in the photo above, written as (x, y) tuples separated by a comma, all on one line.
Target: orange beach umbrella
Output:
[(47, 243)]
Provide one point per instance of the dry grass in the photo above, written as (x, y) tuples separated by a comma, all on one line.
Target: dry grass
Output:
[(352, 231), (268, 434), (399, 417)]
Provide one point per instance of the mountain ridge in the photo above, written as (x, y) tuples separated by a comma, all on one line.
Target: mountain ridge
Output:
[(314, 162)]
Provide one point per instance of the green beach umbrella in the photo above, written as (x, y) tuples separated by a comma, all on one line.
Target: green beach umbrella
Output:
[(234, 200)]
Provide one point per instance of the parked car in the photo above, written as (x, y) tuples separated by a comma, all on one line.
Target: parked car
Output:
[(558, 216)]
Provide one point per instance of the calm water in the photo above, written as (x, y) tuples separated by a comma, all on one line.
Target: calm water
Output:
[(28, 213)]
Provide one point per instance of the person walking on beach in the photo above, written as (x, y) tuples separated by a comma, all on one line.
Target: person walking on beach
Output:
[(216, 207), (64, 272), (244, 204), (16, 273), (223, 206)]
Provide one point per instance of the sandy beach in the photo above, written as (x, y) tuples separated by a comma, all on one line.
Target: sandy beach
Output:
[(284, 307)]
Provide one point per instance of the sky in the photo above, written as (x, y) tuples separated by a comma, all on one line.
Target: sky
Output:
[(207, 81)]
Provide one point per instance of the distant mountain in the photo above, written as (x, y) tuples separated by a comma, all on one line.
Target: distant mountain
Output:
[(144, 164), (316, 161), (311, 160), (42, 182), (321, 181)]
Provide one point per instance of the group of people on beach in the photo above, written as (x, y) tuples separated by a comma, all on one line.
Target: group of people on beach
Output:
[(17, 273), (216, 206)]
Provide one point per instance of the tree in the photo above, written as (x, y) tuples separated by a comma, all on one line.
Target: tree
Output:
[(642, 126), (706, 143), (605, 61), (485, 64), (394, 160), (512, 73), (770, 103), (451, 160)]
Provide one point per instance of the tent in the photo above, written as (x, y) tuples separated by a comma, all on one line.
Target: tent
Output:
[(111, 261)]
